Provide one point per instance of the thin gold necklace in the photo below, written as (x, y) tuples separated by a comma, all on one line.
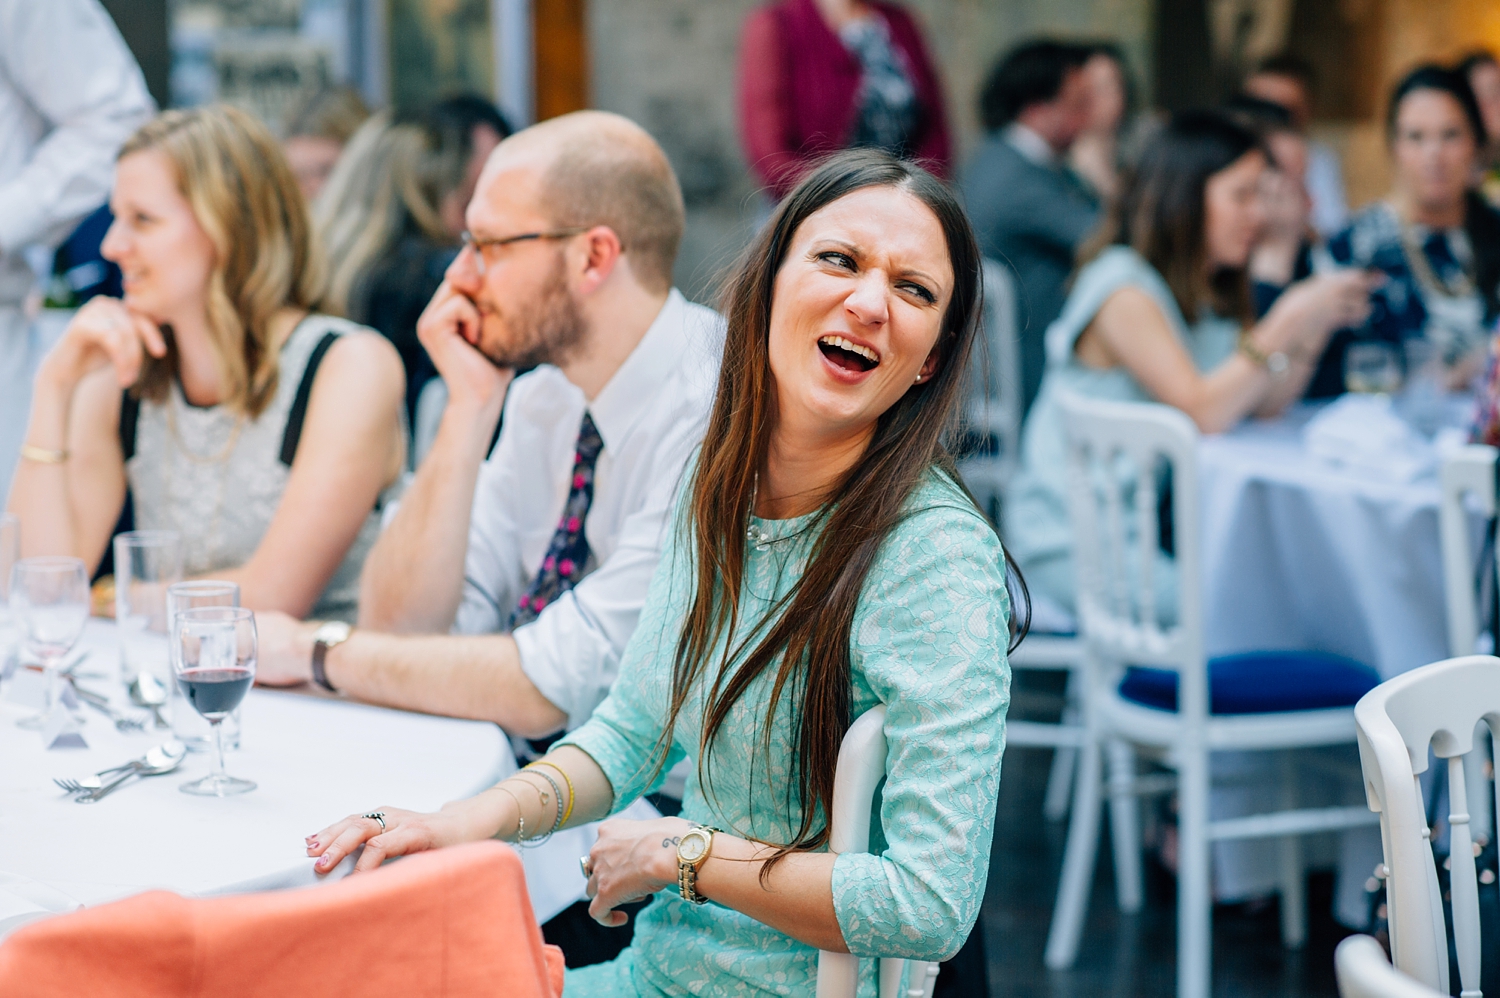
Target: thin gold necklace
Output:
[(1421, 267)]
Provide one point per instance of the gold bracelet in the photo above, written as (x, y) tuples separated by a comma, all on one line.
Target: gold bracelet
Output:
[(42, 455), (1275, 362), (572, 795), (520, 817)]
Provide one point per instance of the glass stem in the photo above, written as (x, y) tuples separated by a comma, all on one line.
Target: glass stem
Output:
[(218, 726), (54, 682)]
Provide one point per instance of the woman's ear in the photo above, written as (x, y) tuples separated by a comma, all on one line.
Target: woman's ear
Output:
[(929, 367)]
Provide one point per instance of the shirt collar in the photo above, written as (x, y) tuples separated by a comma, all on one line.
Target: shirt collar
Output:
[(1029, 144), (630, 392)]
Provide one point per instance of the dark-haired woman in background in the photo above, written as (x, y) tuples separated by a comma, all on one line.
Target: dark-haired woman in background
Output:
[(1161, 312), (1482, 71), (824, 561), (821, 75), (1435, 239)]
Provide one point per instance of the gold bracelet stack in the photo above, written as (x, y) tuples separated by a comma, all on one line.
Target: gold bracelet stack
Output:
[(572, 796), (41, 455), (557, 816)]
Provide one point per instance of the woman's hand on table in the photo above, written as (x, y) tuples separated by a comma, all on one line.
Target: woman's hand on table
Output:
[(631, 860), (405, 832)]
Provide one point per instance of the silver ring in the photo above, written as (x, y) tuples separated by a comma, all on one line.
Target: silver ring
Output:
[(378, 816), (586, 867)]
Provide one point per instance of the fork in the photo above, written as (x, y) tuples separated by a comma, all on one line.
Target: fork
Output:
[(123, 722), (89, 783)]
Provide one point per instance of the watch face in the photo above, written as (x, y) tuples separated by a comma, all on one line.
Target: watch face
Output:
[(333, 632), (692, 847)]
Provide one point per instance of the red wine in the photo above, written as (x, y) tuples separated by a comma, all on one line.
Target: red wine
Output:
[(215, 691)]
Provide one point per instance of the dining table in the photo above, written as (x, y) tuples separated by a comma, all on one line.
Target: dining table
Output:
[(315, 758)]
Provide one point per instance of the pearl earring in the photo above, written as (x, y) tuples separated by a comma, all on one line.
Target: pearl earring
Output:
[(919, 379)]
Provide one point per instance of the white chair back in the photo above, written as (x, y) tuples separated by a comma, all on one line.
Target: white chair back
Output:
[(1364, 972), (1118, 454), (1436, 706), (992, 391), (861, 767), (1468, 477)]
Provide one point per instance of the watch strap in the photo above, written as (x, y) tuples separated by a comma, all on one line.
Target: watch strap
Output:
[(687, 873), (320, 676)]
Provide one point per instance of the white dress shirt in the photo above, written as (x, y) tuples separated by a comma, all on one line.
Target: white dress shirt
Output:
[(1325, 186), (1030, 145), (651, 416), (70, 95)]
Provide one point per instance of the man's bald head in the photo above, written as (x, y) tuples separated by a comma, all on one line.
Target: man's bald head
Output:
[(598, 168)]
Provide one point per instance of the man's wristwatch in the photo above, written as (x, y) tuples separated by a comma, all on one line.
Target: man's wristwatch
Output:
[(328, 635), (692, 850)]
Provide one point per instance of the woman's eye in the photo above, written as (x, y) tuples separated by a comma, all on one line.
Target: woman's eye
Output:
[(838, 259), (920, 292)]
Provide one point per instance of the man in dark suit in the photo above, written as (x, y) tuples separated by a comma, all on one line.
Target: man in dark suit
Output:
[(1029, 209)]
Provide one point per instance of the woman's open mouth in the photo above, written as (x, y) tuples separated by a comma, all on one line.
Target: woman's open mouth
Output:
[(848, 356)]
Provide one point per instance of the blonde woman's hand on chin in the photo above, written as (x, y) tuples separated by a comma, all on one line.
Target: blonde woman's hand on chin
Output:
[(103, 333), (631, 860)]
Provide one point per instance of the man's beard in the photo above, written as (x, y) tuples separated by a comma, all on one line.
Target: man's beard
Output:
[(546, 331)]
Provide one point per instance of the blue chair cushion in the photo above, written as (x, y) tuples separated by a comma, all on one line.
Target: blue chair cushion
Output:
[(1260, 682)]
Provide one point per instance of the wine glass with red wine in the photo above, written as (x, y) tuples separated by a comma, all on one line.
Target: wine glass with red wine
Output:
[(215, 664)]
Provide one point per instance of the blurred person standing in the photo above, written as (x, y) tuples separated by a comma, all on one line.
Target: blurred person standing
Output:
[(318, 133), (1483, 74), (266, 434), (1096, 155), (1030, 210), (1436, 240), (1291, 83), (391, 217), (70, 93), (817, 76)]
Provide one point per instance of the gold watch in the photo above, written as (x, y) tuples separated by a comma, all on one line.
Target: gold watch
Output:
[(692, 850), (328, 635)]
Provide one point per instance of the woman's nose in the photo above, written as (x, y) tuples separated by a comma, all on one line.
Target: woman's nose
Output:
[(868, 302)]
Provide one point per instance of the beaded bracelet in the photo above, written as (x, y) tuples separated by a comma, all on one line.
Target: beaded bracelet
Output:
[(572, 795), (557, 791)]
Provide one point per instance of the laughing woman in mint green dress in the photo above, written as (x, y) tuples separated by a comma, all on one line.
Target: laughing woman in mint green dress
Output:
[(823, 561)]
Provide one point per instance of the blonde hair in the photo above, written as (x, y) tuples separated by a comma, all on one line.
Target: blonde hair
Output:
[(331, 113), (391, 180), (246, 200)]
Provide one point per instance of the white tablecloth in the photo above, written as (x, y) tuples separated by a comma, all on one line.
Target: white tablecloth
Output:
[(316, 759), (1298, 555)]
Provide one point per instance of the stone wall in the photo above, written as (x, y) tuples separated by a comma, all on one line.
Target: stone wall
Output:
[(670, 65)]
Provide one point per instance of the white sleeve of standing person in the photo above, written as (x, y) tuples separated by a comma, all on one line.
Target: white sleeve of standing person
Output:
[(68, 84)]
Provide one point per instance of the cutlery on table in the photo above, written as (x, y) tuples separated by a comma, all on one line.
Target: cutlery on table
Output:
[(149, 692), (100, 702), (162, 759)]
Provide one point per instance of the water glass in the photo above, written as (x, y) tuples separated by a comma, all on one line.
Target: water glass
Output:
[(1372, 369), (187, 724), (213, 656), (10, 553), (147, 562), (50, 597)]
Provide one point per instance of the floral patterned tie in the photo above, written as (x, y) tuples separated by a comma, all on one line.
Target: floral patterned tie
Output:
[(569, 550)]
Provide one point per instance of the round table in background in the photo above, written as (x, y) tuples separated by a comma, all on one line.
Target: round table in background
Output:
[(1298, 555)]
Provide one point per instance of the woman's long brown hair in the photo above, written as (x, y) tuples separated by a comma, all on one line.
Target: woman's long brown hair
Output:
[(807, 633)]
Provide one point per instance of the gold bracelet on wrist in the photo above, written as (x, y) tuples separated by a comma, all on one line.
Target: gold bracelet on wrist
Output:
[(42, 455), (1276, 362), (572, 795)]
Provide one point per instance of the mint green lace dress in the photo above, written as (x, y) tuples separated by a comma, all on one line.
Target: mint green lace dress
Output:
[(929, 640)]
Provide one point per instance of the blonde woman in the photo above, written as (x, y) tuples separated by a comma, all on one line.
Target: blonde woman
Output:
[(263, 432)]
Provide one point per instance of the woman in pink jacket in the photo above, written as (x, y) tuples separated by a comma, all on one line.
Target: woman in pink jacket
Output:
[(817, 76)]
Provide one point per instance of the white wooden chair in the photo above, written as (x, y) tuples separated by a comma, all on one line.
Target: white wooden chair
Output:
[(1468, 490), (993, 402), (1115, 453), (1437, 706), (1364, 972), (860, 769)]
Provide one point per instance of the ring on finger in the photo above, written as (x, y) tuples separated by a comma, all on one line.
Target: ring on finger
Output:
[(378, 816), (586, 866)]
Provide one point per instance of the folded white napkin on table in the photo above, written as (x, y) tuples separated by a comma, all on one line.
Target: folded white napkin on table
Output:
[(1363, 434)]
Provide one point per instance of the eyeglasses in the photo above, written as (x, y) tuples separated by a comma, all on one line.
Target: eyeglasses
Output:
[(484, 248)]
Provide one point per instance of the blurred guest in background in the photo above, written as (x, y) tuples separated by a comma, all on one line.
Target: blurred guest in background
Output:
[(318, 133), (263, 433), (1096, 154), (1030, 211), (822, 75), (392, 216), (1161, 312), (1283, 254), (1436, 240), (70, 93), (1291, 82), (1483, 74)]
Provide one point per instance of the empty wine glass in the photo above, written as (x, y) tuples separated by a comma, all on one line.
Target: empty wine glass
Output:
[(1372, 368), (213, 653), (50, 596), (10, 553)]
